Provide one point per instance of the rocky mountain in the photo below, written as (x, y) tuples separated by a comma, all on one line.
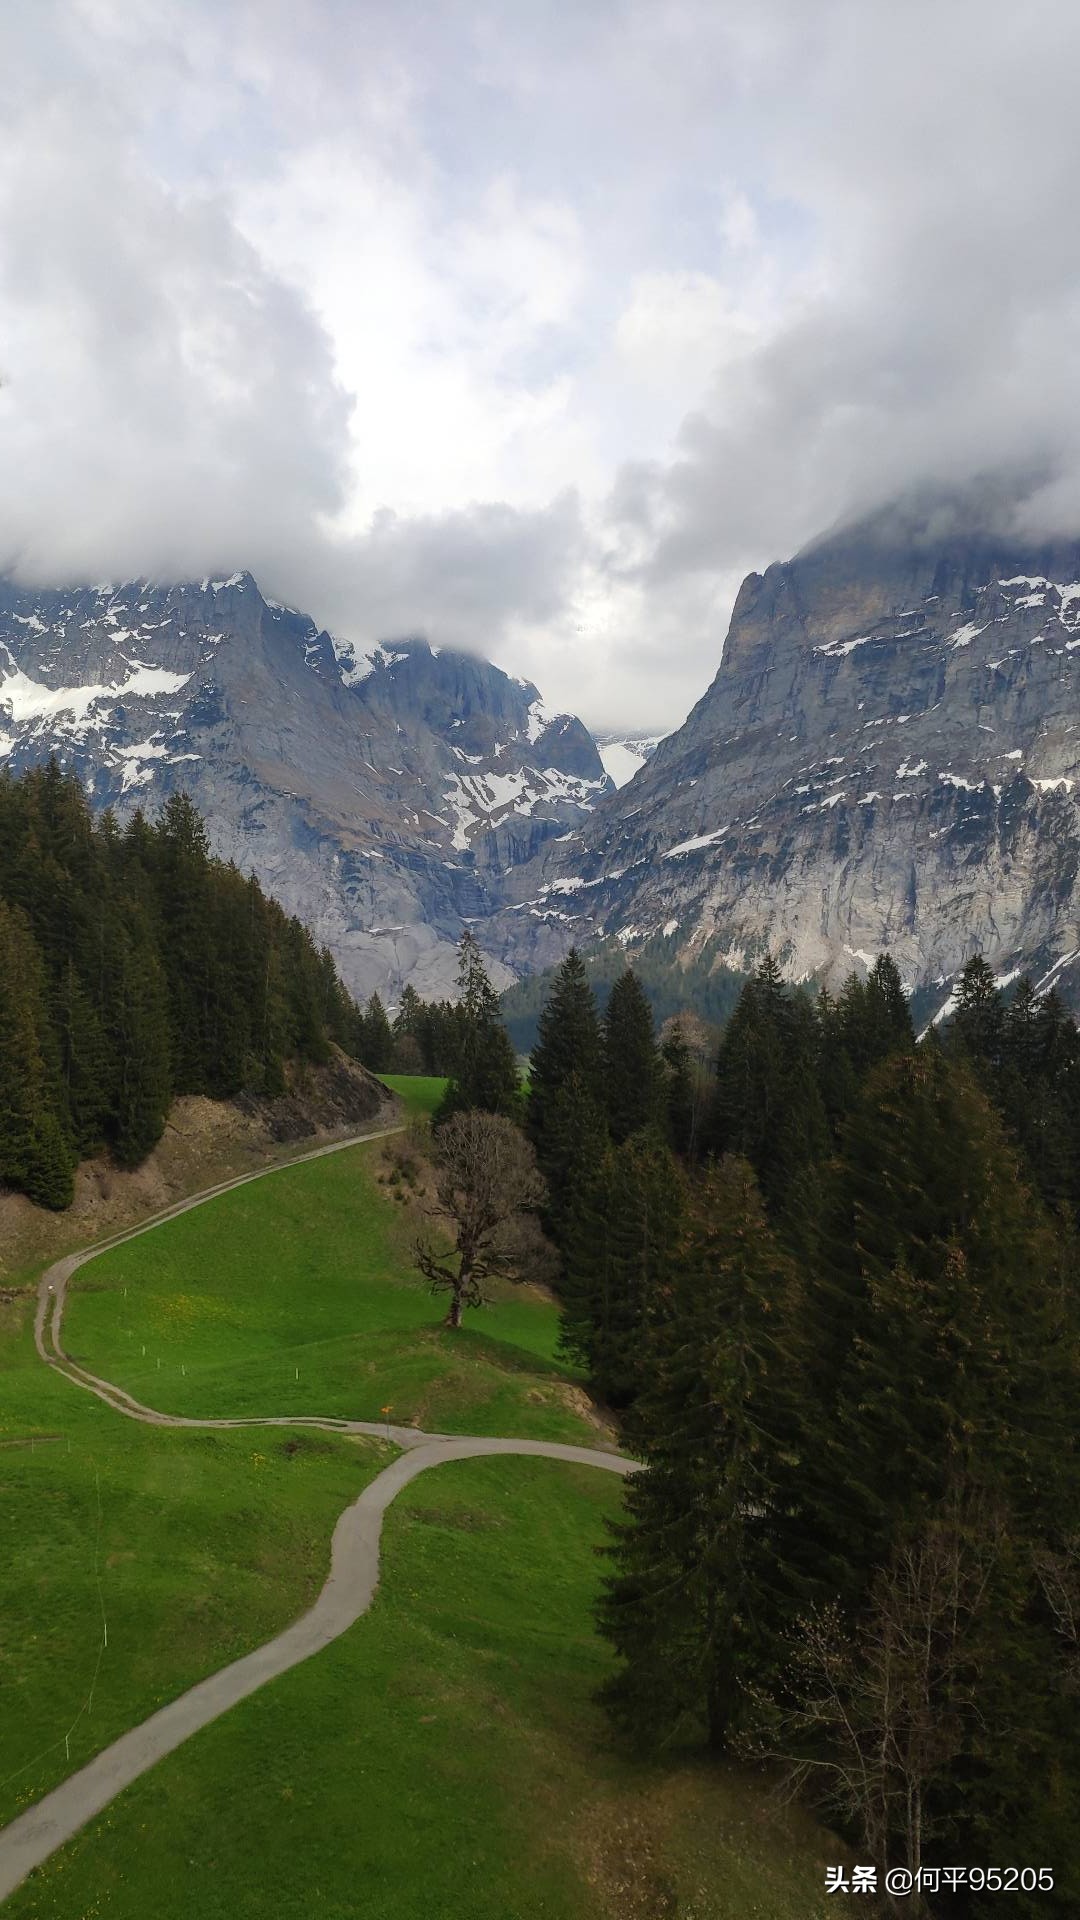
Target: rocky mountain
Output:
[(889, 756), (381, 797)]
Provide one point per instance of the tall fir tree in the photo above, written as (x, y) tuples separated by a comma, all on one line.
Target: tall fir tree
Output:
[(978, 1022), (680, 1093), (35, 1154), (624, 1277), (485, 1073), (376, 1039), (87, 1067), (565, 1108), (873, 1017), (180, 862), (768, 1107), (688, 1606), (140, 1029), (567, 1044), (939, 1268), (631, 1067)]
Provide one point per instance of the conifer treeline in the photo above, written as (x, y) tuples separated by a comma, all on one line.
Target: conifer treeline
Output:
[(463, 1040), (134, 967), (425, 1036), (839, 1318), (671, 981)]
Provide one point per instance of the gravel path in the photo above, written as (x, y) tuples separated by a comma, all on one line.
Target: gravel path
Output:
[(346, 1595)]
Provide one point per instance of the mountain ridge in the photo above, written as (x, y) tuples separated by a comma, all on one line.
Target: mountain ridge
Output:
[(379, 796), (887, 757)]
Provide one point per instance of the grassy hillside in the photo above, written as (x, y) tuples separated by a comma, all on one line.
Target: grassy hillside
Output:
[(419, 1093), (296, 1294), (445, 1757), (447, 1754), (206, 1142), (194, 1547)]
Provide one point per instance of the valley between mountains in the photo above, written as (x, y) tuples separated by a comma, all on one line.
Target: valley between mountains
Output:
[(888, 757)]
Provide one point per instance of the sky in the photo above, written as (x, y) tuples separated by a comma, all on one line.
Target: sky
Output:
[(531, 328)]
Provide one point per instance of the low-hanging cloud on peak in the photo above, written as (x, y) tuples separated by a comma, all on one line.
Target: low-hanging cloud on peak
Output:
[(528, 332)]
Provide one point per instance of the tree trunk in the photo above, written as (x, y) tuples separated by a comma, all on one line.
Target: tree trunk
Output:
[(453, 1316)]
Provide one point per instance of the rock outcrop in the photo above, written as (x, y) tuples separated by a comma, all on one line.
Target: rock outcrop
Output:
[(889, 756), (380, 797)]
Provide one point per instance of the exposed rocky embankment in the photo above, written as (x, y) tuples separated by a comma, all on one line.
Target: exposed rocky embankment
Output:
[(204, 1141)]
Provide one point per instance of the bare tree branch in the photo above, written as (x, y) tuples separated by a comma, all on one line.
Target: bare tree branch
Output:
[(488, 1188)]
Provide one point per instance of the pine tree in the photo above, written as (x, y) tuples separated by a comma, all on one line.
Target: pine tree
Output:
[(49, 1178), (564, 1111), (567, 1045), (680, 1093), (837, 1080), (180, 866), (627, 1277), (688, 1607), (127, 949), (941, 1333), (873, 1017), (768, 1107), (410, 1032), (584, 1222), (631, 1067), (977, 1024), (86, 1069), (140, 1027), (35, 1155), (1037, 1090), (886, 985), (485, 1073), (377, 1040), (961, 1368)]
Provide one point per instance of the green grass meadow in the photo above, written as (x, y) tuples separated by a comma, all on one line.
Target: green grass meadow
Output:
[(296, 1294), (192, 1547), (446, 1757), (420, 1093)]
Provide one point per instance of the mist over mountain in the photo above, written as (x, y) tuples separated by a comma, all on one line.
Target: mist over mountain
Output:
[(888, 757)]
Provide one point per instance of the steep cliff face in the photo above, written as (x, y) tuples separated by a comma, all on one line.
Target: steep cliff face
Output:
[(889, 756), (379, 796)]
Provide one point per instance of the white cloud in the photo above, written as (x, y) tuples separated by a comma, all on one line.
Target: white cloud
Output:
[(532, 327)]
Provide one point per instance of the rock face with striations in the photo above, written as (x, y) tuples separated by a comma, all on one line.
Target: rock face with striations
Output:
[(889, 756), (380, 797)]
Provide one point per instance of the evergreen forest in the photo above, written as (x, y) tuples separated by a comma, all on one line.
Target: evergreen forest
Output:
[(137, 967), (671, 980), (832, 1300)]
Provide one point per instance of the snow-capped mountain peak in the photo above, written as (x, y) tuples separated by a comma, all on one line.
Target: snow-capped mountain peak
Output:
[(381, 794)]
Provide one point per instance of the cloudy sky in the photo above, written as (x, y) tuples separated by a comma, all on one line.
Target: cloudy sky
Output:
[(531, 326)]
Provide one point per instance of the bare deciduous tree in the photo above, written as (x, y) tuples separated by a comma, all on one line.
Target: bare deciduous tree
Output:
[(886, 1709), (1059, 1577), (487, 1184)]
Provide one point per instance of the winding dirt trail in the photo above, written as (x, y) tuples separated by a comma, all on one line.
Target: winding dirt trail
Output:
[(346, 1595)]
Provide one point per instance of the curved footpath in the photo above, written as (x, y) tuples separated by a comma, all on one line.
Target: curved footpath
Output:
[(347, 1593)]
